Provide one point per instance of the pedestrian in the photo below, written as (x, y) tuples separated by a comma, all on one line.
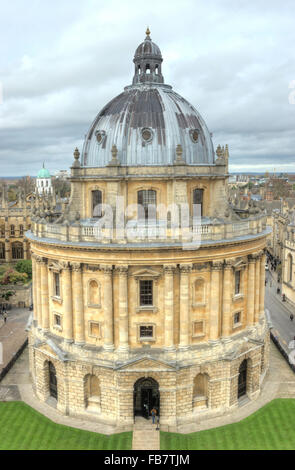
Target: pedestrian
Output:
[(153, 413), (5, 317), (291, 317)]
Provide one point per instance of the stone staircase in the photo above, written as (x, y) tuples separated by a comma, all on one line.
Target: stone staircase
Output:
[(145, 435)]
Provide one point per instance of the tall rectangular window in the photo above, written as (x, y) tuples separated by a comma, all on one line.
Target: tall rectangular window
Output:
[(96, 203), (56, 285), (198, 198), (237, 282), (146, 198), (146, 292)]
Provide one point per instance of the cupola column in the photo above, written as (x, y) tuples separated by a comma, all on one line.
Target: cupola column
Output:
[(185, 270), (38, 306), (227, 295), (169, 306), (108, 308), (44, 294), (215, 300), (123, 307), (78, 306), (67, 301), (251, 291), (34, 285)]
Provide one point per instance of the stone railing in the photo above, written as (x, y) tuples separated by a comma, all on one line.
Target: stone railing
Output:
[(89, 231)]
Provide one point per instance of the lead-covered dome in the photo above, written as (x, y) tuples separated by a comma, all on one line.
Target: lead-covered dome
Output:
[(148, 121)]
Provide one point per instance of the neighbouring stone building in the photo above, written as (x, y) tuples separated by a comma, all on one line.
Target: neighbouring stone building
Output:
[(125, 321), (15, 220)]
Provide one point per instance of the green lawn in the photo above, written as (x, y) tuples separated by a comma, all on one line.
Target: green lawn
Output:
[(271, 427), (23, 428)]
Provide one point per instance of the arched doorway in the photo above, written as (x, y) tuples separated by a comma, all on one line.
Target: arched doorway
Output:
[(146, 397), (242, 380), (52, 381)]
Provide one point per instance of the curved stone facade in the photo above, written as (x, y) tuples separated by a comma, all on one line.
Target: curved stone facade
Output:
[(126, 321)]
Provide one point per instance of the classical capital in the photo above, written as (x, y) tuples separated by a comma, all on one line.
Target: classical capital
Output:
[(76, 266), (253, 257), (65, 265), (122, 270), (106, 268), (216, 265), (38, 259), (169, 268), (185, 268), (228, 263)]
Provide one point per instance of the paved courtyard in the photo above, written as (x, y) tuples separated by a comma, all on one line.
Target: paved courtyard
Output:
[(12, 333)]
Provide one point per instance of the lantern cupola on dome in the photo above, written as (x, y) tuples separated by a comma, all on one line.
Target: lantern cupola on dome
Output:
[(148, 60)]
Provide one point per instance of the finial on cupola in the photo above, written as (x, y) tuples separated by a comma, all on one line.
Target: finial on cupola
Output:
[(148, 32)]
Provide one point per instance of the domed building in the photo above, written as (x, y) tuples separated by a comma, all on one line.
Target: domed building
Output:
[(43, 182), (149, 289)]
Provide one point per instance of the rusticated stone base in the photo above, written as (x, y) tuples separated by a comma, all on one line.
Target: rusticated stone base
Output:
[(104, 390)]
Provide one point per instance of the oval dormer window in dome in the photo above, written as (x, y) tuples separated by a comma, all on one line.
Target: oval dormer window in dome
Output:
[(194, 135), (147, 134), (100, 136)]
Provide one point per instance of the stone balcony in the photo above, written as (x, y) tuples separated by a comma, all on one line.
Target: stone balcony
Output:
[(208, 231)]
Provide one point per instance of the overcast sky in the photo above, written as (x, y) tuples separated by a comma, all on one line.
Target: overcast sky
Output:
[(61, 61)]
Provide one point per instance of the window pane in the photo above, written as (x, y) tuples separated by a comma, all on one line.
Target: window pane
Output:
[(96, 203), (237, 281), (146, 292), (198, 198), (57, 288), (144, 199), (146, 331)]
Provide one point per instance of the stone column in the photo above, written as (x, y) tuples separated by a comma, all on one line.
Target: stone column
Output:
[(251, 290), (169, 307), (123, 307), (262, 285), (38, 291), (215, 300), (108, 308), (44, 294), (34, 283), (184, 309), (226, 322), (78, 305), (67, 302), (257, 289)]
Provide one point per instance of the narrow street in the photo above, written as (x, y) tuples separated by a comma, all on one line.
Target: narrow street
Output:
[(279, 312)]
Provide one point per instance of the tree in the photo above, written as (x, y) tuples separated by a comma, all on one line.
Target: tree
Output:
[(24, 266)]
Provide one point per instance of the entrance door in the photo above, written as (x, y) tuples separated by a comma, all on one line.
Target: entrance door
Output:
[(146, 397), (242, 382), (52, 381)]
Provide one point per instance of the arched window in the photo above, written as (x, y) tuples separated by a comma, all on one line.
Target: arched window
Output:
[(198, 195), (17, 250), (52, 380), (242, 379), (96, 203), (147, 69), (290, 268), (12, 230), (199, 292), (92, 392), (2, 250), (157, 69), (200, 390), (93, 293), (147, 200)]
